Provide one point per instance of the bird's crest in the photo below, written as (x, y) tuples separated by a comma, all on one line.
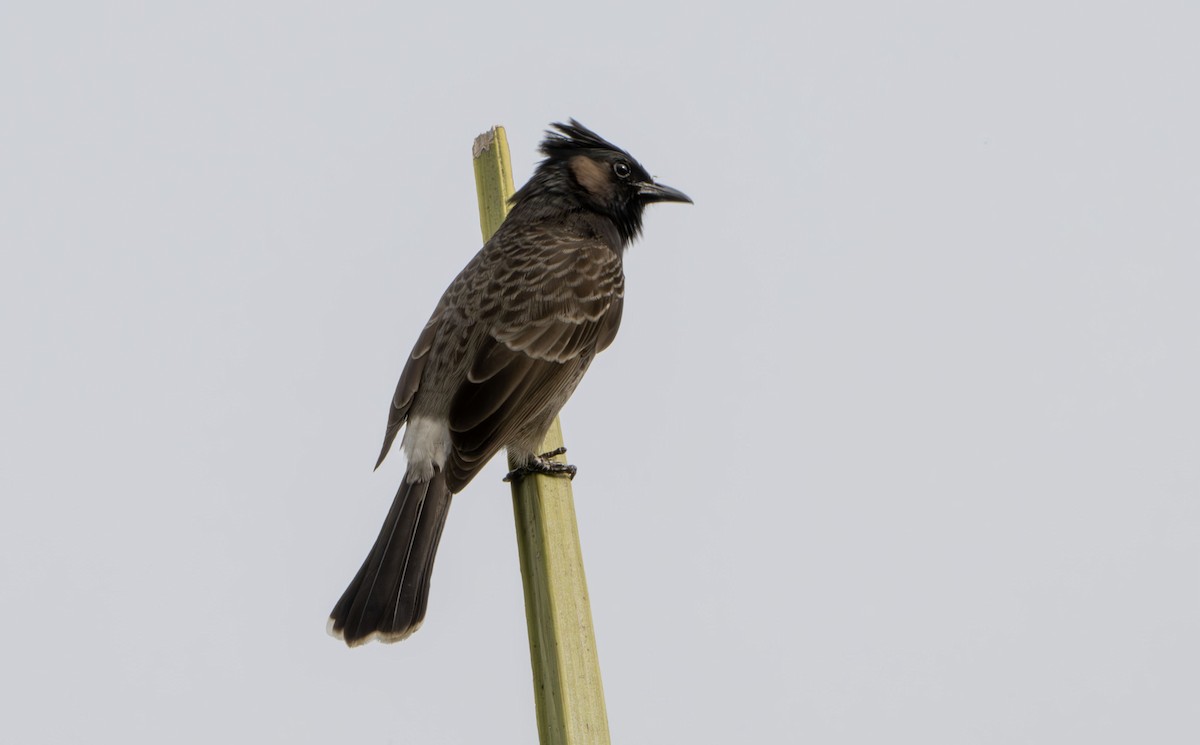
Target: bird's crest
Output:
[(565, 140)]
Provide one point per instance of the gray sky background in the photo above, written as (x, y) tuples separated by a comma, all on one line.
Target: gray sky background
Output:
[(899, 441)]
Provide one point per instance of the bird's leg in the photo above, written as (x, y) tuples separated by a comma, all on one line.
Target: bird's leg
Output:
[(542, 464)]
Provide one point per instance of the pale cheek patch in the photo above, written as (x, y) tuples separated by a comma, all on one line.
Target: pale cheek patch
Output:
[(426, 444), (592, 176)]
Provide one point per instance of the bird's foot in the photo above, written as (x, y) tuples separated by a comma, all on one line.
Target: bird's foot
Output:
[(543, 465)]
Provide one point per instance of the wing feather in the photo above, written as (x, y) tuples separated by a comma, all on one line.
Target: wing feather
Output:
[(409, 384)]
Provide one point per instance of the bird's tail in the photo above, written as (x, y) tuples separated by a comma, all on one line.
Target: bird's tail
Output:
[(386, 600)]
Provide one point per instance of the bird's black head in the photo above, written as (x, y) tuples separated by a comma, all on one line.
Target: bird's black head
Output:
[(582, 170)]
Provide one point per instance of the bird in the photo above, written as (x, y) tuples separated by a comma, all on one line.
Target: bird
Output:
[(504, 349)]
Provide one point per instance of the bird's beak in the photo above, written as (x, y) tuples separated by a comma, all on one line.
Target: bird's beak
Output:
[(652, 192)]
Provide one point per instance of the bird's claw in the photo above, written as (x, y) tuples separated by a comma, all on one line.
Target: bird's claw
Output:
[(543, 465)]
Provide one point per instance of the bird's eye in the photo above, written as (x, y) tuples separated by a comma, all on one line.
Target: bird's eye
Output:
[(622, 169)]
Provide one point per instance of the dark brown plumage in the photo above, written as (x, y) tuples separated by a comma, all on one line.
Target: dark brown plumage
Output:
[(503, 351)]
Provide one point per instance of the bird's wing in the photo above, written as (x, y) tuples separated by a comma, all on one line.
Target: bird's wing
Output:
[(559, 302)]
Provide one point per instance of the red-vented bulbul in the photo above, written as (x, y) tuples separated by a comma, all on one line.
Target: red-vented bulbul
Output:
[(508, 342)]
